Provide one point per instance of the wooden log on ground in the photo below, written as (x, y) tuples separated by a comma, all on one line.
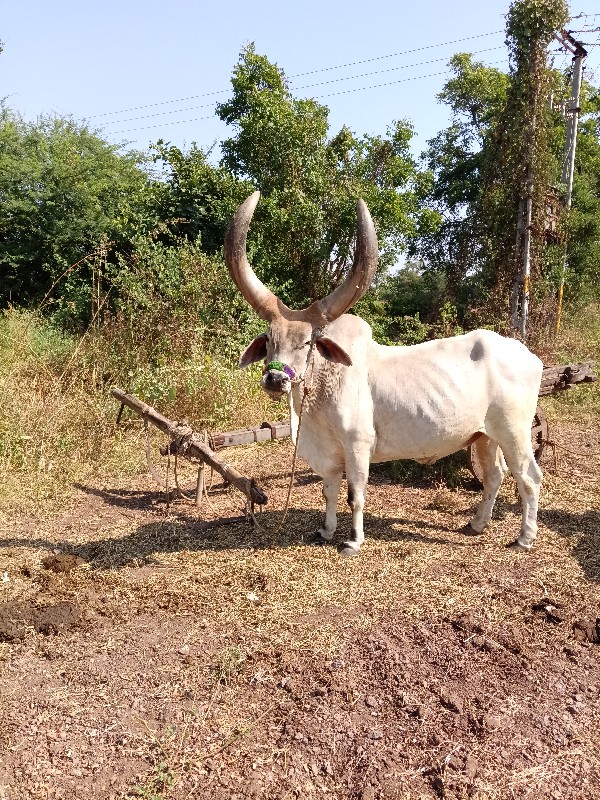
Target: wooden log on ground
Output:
[(557, 378), (190, 444)]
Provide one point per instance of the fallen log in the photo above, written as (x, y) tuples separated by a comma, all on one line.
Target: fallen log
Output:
[(558, 378), (189, 444)]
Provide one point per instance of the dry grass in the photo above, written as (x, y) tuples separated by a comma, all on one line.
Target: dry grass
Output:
[(219, 616), (57, 416), (203, 659)]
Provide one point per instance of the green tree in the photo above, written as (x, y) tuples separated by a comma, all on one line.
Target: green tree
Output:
[(499, 149), (63, 190), (194, 199), (582, 278), (305, 224), (457, 156)]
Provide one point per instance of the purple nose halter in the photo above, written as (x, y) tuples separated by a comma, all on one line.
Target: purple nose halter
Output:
[(280, 367)]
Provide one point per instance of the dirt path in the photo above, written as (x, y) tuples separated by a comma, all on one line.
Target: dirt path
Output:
[(144, 656)]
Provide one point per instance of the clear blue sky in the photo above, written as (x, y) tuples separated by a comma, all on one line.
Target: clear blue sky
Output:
[(102, 61)]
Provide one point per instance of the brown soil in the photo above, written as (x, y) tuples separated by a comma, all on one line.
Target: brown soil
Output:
[(144, 655)]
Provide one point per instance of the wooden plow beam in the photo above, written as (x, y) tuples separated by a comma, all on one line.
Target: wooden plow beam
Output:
[(189, 444)]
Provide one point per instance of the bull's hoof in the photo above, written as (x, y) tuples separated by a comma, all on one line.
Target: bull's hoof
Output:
[(318, 539), (348, 550), (469, 530), (518, 547)]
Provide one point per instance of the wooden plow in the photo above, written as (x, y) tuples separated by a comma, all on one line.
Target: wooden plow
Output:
[(202, 449), (194, 446)]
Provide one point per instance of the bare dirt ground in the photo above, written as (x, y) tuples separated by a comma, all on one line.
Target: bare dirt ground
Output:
[(143, 655)]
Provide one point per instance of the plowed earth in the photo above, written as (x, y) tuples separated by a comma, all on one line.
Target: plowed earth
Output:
[(143, 654)]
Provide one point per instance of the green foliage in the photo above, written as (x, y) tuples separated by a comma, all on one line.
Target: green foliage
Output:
[(413, 290), (195, 200), (521, 165), (62, 191), (167, 292), (530, 25), (303, 236), (502, 147), (175, 331), (582, 279), (408, 330), (457, 156)]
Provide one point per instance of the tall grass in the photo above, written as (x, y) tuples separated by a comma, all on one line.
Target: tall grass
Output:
[(579, 340), (57, 415)]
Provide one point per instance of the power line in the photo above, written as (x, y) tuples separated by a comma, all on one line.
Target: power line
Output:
[(159, 114), (299, 74), (393, 55), (390, 69), (319, 97), (301, 88), (390, 83), (163, 124), (591, 73)]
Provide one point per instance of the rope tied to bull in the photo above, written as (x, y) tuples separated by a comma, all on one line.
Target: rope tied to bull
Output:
[(307, 389), (178, 444)]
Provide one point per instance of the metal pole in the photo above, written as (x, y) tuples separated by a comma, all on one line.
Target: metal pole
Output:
[(569, 163)]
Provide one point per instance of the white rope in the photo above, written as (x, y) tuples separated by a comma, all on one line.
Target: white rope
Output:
[(307, 390)]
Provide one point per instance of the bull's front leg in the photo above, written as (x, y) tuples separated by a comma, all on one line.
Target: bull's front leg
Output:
[(331, 490), (357, 475)]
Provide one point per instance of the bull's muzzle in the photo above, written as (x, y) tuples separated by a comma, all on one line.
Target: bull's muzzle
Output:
[(277, 379)]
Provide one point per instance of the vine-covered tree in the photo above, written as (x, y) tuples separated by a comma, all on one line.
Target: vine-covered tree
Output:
[(499, 151)]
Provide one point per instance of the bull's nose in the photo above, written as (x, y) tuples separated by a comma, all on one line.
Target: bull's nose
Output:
[(274, 379)]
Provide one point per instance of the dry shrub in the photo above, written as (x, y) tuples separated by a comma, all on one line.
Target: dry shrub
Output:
[(57, 415)]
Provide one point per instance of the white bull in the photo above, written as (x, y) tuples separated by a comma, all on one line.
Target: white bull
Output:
[(368, 402)]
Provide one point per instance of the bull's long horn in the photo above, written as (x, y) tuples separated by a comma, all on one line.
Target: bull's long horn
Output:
[(363, 269), (262, 300)]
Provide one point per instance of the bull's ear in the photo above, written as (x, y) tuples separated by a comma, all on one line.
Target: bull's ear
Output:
[(332, 351), (256, 351)]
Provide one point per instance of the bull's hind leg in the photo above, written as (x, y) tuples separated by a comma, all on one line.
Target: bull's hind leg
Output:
[(528, 476), (494, 469)]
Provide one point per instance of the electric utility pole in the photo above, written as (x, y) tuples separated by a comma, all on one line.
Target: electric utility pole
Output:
[(579, 54)]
